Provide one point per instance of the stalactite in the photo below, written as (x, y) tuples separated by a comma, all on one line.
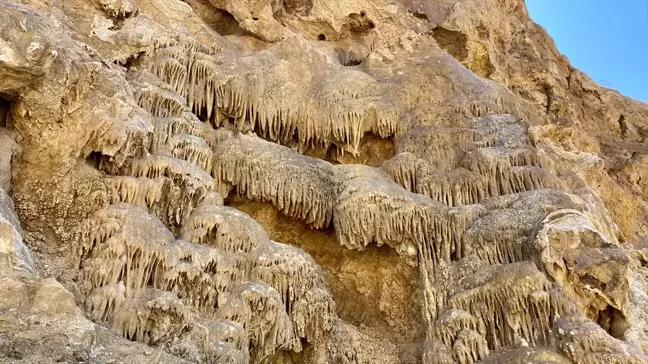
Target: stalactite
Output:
[(459, 187), (194, 46), (172, 70), (299, 186), (186, 174), (190, 184), (451, 322), (104, 301), (192, 149), (160, 102), (202, 276), (186, 125), (487, 101), (224, 228), (470, 347), (314, 314), (127, 255), (466, 199), (166, 128), (506, 174), (367, 206), (156, 96), (261, 311), (300, 283), (174, 51), (495, 152), (223, 97), (505, 299), (372, 208), (435, 221), (143, 192), (388, 117), (434, 297), (226, 342), (404, 169), (380, 212), (123, 141), (154, 318), (290, 270), (440, 147), (129, 249), (162, 198)]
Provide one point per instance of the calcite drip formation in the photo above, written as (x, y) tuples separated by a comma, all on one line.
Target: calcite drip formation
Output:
[(515, 260)]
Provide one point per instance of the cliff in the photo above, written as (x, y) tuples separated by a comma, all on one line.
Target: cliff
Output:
[(309, 181)]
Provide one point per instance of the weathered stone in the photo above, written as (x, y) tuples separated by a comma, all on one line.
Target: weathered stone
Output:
[(310, 181), (7, 147)]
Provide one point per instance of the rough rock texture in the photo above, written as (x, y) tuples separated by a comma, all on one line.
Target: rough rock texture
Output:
[(308, 181)]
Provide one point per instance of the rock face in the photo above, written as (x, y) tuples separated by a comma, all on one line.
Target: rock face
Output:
[(308, 181)]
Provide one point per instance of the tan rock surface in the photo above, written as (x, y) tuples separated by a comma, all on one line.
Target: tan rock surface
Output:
[(309, 181), (8, 145)]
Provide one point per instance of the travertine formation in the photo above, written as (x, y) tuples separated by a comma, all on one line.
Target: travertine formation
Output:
[(309, 181)]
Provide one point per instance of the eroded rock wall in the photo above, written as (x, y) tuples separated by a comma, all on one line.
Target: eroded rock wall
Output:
[(313, 182)]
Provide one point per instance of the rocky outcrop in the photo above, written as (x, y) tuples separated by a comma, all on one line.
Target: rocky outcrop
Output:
[(39, 316), (313, 182)]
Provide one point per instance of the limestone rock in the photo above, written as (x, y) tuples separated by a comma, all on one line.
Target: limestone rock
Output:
[(13, 252), (310, 181), (8, 146), (39, 317)]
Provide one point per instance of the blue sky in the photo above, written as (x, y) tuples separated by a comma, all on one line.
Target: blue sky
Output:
[(607, 39)]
